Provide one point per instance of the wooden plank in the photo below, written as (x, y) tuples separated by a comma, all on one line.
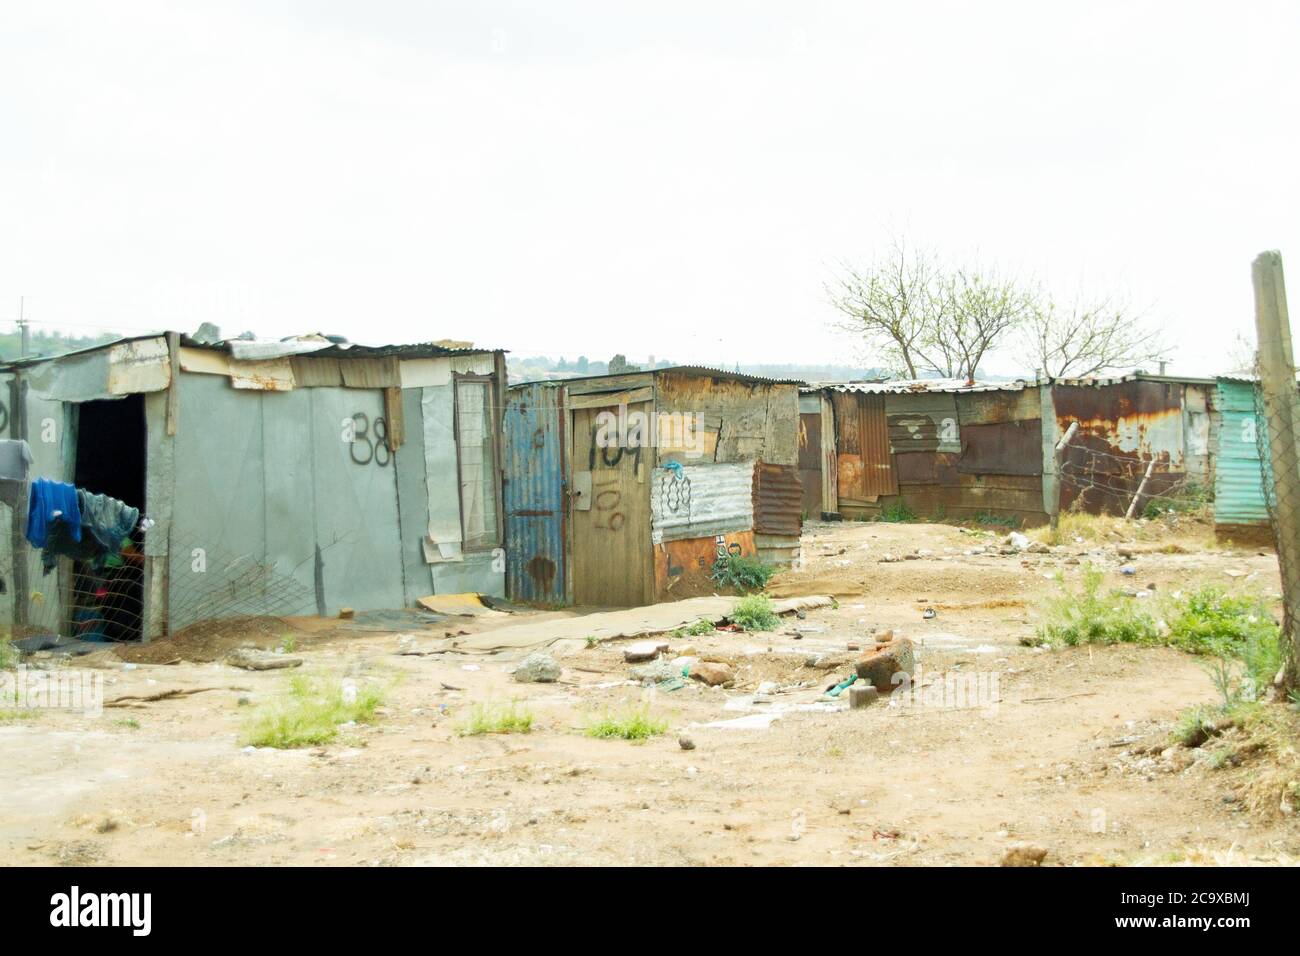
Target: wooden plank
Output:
[(174, 387)]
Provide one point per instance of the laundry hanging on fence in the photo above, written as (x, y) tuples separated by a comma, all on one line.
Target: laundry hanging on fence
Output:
[(52, 501), (78, 525), (107, 519)]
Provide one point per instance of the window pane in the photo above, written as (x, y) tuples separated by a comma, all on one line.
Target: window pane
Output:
[(478, 500)]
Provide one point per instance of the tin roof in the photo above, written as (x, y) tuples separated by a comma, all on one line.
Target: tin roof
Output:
[(919, 386), (702, 371), (325, 347)]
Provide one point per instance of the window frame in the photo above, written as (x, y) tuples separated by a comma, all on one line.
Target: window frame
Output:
[(494, 419)]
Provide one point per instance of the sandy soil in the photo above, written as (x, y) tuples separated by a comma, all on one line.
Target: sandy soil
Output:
[(1067, 757)]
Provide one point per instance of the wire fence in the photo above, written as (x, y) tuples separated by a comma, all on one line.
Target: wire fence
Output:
[(46, 599), (1275, 424), (1109, 483)]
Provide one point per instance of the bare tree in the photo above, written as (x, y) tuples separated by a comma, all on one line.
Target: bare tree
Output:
[(977, 309), (891, 304), (1090, 337)]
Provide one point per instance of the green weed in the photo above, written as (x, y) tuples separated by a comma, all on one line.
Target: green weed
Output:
[(1094, 616), (897, 512), (310, 713), (754, 613), (635, 723), (492, 718), (742, 573), (702, 626)]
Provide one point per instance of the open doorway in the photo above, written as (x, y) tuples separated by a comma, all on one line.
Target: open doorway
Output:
[(108, 602)]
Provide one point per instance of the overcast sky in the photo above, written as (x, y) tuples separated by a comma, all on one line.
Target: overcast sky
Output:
[(667, 179)]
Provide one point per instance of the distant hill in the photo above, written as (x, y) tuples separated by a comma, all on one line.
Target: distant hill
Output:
[(49, 343)]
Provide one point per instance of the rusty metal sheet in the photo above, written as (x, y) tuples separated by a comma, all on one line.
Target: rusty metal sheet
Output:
[(778, 499), (684, 568), (847, 430), (1009, 448), (850, 475), (810, 459), (927, 468), (271, 375), (1122, 427), (926, 421), (994, 407)]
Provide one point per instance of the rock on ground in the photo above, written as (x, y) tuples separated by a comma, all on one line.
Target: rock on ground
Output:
[(643, 651), (1024, 854), (656, 671), (251, 659), (712, 673), (537, 668), (879, 665)]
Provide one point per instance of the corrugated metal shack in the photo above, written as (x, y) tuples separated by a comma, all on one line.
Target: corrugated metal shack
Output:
[(293, 477), (624, 489), (937, 447), (943, 448), (1127, 423), (1240, 505)]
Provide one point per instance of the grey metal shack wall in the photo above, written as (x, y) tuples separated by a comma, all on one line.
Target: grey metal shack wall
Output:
[(273, 511)]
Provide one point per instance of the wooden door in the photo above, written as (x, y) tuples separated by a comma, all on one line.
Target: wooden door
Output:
[(610, 509)]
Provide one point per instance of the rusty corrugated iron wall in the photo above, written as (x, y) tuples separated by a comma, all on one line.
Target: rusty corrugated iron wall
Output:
[(534, 493), (1122, 427), (778, 499), (865, 463)]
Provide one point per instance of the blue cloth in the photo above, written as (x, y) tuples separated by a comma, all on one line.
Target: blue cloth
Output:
[(48, 497)]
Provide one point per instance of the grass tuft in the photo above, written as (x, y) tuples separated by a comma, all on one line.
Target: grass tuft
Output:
[(635, 723), (702, 626), (898, 513), (492, 718), (754, 613), (310, 713), (8, 653)]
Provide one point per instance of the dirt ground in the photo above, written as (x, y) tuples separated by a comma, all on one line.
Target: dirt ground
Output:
[(1068, 756)]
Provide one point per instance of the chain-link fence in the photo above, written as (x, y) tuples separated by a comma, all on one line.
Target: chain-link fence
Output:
[(1277, 415), (48, 598)]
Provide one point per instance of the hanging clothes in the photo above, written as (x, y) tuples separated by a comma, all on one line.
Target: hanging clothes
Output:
[(104, 526), (15, 457), (52, 501), (107, 519)]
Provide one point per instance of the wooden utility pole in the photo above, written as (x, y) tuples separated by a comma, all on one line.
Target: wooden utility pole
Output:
[(1058, 456), (1281, 404)]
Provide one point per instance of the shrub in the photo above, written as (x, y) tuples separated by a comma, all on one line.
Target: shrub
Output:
[(742, 573), (1095, 617), (1208, 620), (754, 613)]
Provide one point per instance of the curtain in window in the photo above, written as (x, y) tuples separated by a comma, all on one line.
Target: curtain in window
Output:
[(478, 502)]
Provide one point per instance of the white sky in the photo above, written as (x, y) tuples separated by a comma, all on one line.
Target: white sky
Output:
[(591, 178)]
